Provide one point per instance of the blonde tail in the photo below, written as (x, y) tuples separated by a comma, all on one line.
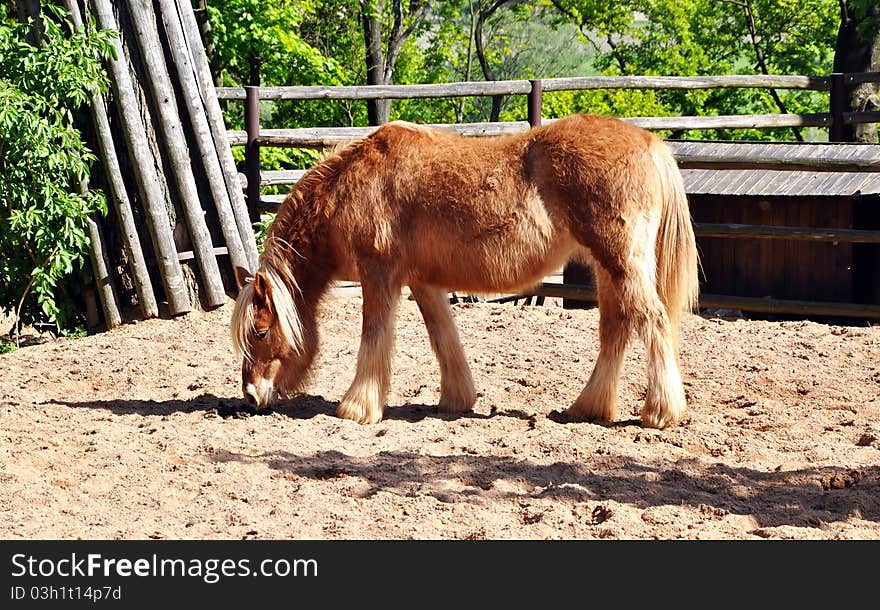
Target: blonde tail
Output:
[(677, 259)]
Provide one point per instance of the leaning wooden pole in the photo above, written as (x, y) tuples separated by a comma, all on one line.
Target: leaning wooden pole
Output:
[(218, 129), (202, 131), (100, 271), (118, 194), (101, 275), (143, 167), (160, 86)]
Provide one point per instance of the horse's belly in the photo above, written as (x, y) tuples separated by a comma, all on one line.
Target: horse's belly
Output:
[(502, 261)]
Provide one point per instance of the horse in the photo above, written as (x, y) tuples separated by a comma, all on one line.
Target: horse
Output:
[(423, 207)]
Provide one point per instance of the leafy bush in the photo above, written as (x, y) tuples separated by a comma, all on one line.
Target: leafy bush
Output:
[(261, 230), (43, 220)]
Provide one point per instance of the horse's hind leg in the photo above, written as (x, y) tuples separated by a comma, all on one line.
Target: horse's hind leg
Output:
[(456, 384), (364, 401), (598, 400), (665, 402)]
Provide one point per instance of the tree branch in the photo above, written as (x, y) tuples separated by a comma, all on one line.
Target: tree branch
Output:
[(25, 293), (397, 38), (582, 24), (759, 55)]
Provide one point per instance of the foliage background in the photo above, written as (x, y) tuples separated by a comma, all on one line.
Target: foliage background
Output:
[(322, 42), (43, 232)]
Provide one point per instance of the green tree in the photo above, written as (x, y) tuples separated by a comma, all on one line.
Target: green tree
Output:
[(43, 238), (707, 37), (858, 50)]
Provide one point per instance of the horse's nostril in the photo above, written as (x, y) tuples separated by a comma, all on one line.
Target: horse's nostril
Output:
[(251, 399)]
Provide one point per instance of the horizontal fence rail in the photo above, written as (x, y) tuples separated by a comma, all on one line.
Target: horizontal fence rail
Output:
[(853, 236), (378, 92), (858, 78), (521, 87), (322, 137), (747, 81), (689, 155)]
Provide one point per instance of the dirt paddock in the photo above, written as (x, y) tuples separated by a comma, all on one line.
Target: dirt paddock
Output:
[(142, 433)]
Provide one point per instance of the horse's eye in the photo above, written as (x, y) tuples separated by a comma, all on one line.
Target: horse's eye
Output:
[(261, 334)]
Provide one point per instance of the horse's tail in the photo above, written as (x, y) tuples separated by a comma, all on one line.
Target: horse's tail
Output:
[(676, 251)]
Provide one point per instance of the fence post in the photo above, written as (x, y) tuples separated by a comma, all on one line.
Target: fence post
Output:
[(535, 106), (535, 103), (252, 150), (839, 103)]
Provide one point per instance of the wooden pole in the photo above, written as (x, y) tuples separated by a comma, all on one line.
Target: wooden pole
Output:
[(252, 150), (192, 32), (160, 86), (143, 166), (522, 87), (817, 234), (838, 105), (103, 281), (535, 103), (118, 195), (202, 131), (100, 274)]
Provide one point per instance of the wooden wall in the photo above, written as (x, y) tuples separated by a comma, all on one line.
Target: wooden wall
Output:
[(778, 268)]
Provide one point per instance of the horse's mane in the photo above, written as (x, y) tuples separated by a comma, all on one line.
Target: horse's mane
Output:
[(278, 252), (277, 271), (326, 169)]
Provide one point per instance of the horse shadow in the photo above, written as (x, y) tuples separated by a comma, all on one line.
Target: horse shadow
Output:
[(302, 407), (808, 497)]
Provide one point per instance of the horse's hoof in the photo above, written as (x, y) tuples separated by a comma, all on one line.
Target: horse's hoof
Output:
[(588, 410), (456, 404), (358, 413), (653, 416)]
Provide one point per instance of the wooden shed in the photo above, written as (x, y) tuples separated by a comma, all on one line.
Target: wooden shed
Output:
[(809, 266)]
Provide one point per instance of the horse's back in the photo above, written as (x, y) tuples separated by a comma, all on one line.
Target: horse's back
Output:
[(465, 215), (492, 214)]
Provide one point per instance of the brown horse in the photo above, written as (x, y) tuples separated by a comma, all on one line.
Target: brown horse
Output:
[(411, 205)]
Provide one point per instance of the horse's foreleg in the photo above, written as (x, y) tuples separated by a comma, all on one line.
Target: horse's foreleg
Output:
[(457, 392), (598, 400), (365, 399)]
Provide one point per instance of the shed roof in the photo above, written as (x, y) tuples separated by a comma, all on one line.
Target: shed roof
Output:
[(765, 182)]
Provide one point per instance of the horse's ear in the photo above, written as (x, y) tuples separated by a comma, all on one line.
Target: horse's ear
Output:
[(242, 276), (262, 288)]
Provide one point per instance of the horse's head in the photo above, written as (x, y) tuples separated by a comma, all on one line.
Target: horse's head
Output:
[(268, 333)]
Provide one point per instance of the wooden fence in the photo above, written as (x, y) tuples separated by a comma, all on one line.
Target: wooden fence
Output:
[(726, 155)]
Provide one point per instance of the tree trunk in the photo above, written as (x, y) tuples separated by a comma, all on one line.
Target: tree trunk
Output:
[(459, 110), (484, 14), (27, 10), (381, 57), (378, 111), (857, 53), (200, 8)]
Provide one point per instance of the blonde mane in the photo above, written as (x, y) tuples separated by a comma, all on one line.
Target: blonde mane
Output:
[(281, 280)]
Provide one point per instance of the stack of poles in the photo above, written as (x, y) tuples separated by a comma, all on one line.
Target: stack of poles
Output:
[(189, 70)]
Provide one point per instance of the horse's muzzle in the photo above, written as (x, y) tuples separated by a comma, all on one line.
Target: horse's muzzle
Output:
[(259, 395)]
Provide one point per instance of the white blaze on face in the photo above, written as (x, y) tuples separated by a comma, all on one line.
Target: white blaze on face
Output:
[(263, 392)]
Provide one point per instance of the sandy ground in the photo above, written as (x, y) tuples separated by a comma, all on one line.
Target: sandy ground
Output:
[(142, 433)]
